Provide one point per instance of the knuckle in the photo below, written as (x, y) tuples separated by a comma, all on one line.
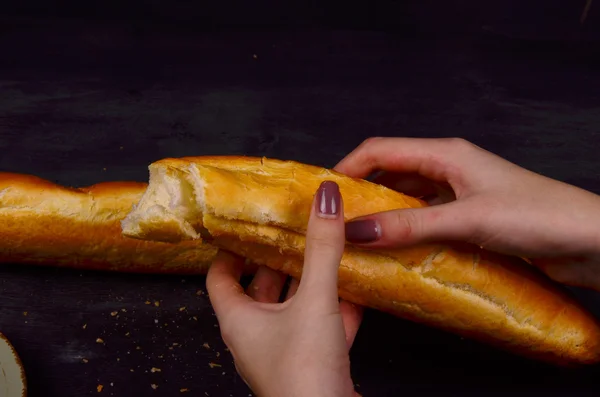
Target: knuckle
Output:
[(459, 143), (408, 225), (369, 142), (323, 245)]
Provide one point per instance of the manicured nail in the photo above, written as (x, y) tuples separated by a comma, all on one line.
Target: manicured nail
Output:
[(363, 231), (328, 200)]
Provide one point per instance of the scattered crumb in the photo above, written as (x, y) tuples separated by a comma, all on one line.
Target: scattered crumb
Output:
[(118, 359), (155, 321), (99, 388), (104, 169), (138, 348), (127, 334), (85, 360), (84, 326), (114, 313), (131, 370), (218, 354), (124, 310), (175, 344), (206, 346), (184, 390), (180, 309), (120, 147), (254, 56), (154, 386), (154, 369), (213, 365), (25, 314), (111, 384), (99, 340), (161, 356), (157, 303), (147, 302), (199, 292), (195, 318)]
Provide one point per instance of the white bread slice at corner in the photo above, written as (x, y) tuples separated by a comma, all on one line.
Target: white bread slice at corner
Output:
[(42, 223), (259, 208)]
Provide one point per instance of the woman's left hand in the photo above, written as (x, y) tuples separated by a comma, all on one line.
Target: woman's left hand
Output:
[(298, 347)]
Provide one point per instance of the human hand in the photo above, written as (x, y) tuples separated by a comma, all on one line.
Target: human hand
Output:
[(298, 347), (480, 198)]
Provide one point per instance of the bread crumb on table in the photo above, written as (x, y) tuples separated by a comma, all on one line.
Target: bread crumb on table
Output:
[(214, 365), (206, 346), (154, 386), (85, 360), (114, 313), (184, 390), (154, 369), (99, 388), (157, 303), (99, 340)]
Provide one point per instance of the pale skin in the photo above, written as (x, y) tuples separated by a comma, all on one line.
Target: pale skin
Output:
[(300, 347)]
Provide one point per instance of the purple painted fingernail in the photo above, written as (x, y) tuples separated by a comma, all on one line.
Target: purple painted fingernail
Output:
[(363, 231), (328, 200)]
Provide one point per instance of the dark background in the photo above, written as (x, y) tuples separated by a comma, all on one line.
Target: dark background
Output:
[(95, 91)]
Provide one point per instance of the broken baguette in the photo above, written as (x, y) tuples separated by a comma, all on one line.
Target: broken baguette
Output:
[(259, 209), (43, 223)]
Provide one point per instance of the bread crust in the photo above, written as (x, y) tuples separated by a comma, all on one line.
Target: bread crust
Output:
[(43, 223), (259, 208)]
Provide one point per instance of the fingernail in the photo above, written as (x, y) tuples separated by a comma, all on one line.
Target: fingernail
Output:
[(328, 200), (363, 231)]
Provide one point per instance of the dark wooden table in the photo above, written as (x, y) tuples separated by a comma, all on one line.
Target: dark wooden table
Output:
[(82, 103)]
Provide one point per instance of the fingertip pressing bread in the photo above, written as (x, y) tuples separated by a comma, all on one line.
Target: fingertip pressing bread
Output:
[(259, 208), (46, 224)]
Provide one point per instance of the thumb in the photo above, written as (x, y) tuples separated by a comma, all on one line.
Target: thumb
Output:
[(324, 247), (412, 226)]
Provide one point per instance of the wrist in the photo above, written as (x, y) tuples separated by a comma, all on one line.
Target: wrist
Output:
[(311, 388)]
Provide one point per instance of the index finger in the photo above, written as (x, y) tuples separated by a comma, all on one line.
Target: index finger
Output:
[(433, 158), (223, 283)]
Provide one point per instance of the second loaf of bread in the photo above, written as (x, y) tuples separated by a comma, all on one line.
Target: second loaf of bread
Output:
[(259, 208)]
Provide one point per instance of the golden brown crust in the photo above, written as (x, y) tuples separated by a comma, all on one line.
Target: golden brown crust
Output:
[(259, 208), (47, 224)]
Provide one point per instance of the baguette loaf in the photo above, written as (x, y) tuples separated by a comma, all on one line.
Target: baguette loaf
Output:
[(46, 224), (259, 209)]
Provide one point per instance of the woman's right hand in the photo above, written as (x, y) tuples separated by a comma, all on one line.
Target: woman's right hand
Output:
[(480, 198)]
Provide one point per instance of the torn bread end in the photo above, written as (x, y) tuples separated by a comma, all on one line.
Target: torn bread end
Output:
[(171, 203)]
